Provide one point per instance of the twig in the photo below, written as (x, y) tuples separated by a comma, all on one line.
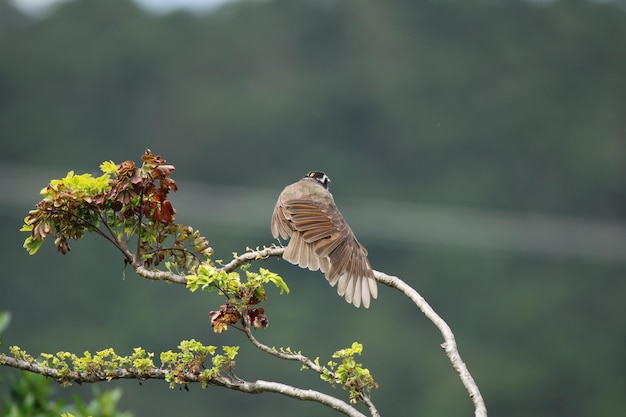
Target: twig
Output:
[(282, 355), (251, 256)]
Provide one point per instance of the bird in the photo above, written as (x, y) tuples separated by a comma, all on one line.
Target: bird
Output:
[(321, 239)]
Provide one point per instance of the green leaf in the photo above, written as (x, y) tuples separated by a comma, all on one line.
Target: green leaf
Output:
[(231, 351), (32, 245), (109, 167), (274, 278)]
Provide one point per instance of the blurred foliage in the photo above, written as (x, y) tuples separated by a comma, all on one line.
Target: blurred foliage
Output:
[(30, 395), (511, 105), (497, 101)]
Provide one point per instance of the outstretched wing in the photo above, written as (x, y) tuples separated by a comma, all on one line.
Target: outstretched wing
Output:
[(319, 228)]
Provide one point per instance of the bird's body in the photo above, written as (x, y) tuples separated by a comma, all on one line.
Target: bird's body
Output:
[(321, 239)]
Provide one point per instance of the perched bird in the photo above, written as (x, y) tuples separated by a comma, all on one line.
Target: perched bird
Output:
[(321, 239)]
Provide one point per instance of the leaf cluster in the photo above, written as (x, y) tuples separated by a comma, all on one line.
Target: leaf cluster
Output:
[(186, 364), (104, 364), (191, 358), (349, 373), (131, 202), (241, 296), (127, 201)]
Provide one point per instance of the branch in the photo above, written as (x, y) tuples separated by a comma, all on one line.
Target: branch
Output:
[(251, 256), (255, 387), (297, 393), (449, 344), (368, 402), (158, 275), (82, 377)]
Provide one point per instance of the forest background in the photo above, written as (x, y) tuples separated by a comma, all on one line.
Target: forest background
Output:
[(478, 150)]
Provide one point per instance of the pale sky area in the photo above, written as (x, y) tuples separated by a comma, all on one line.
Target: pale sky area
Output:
[(161, 6)]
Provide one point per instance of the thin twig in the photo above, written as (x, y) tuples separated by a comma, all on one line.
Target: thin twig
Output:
[(137, 257), (290, 356), (251, 256)]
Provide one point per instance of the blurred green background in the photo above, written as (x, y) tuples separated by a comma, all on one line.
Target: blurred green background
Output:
[(478, 150)]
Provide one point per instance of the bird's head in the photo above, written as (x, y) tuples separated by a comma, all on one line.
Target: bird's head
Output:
[(320, 177)]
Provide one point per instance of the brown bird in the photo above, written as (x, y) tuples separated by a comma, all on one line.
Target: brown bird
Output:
[(321, 239)]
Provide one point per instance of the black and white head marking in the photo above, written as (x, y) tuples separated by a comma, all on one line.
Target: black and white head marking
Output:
[(320, 177)]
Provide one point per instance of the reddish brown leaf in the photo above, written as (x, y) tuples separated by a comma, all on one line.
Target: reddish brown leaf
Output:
[(257, 318)]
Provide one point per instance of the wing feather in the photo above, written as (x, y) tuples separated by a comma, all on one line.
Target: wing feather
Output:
[(321, 239)]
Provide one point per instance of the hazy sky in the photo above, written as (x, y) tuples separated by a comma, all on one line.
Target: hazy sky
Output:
[(39, 6)]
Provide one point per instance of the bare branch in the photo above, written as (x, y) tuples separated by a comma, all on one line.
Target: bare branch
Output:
[(449, 344), (158, 275), (297, 393), (368, 402)]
